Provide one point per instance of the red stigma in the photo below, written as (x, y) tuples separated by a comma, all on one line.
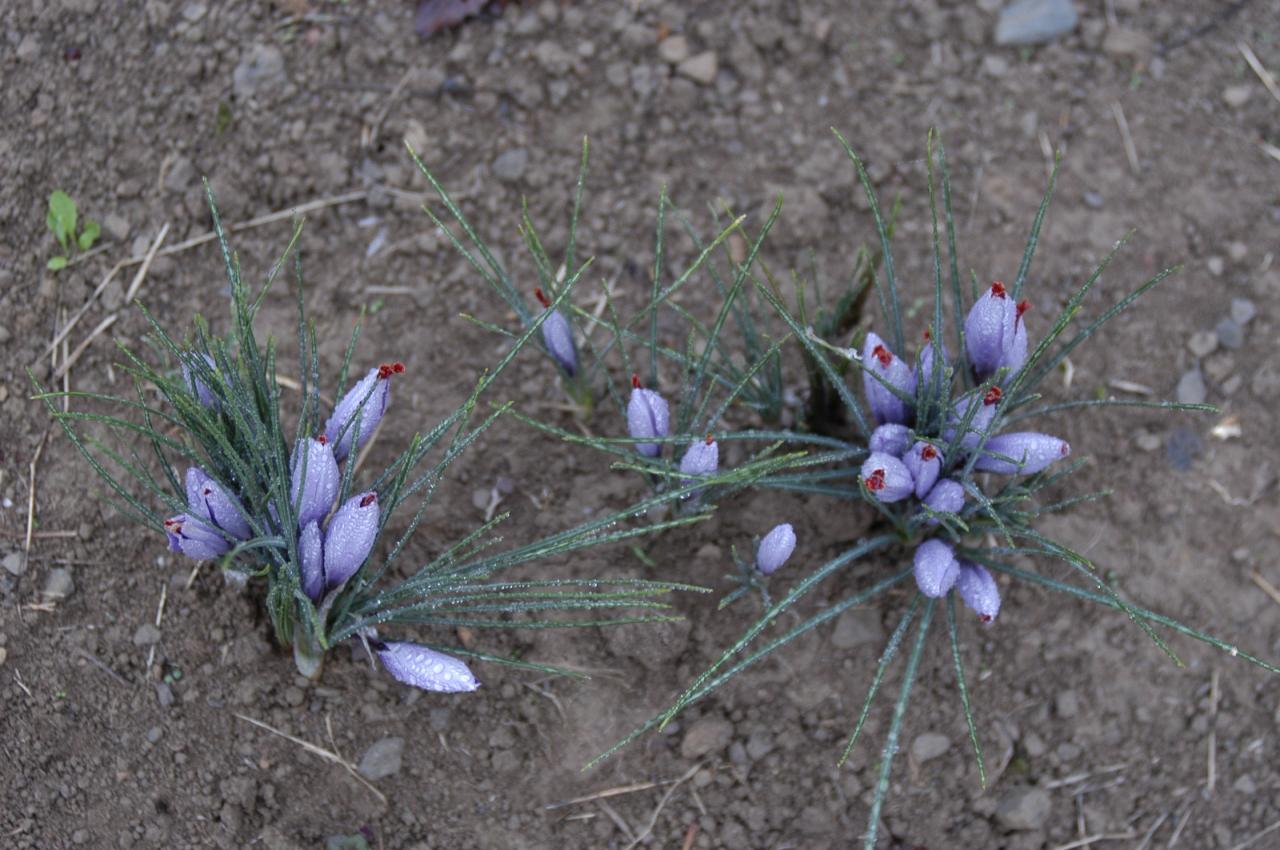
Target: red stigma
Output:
[(928, 453), (368, 500), (875, 481), (992, 396), (635, 381), (998, 290), (1023, 306), (172, 523), (386, 370), (883, 355), (986, 618), (927, 335), (542, 297), (322, 439)]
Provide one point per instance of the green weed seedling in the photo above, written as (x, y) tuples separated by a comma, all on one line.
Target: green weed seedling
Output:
[(62, 221)]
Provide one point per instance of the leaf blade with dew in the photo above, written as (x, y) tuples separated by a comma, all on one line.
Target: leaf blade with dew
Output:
[(964, 689), (886, 658)]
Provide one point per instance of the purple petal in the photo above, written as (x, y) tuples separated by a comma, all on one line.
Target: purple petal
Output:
[(197, 386), (947, 496), (702, 458), (425, 668), (887, 478), (979, 591), (880, 366), (210, 501), (927, 362), (313, 497), (924, 462), (194, 538), (557, 333), (983, 410), (311, 560), (775, 548), (1030, 452), (349, 416), (1015, 349), (647, 416), (989, 321), (349, 538), (935, 567), (891, 439)]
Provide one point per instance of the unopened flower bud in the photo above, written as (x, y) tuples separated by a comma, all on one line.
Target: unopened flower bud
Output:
[(983, 410), (935, 568), (891, 439), (989, 330), (701, 458), (1029, 452), (947, 496), (978, 589), (311, 560), (313, 497), (924, 462), (887, 478), (198, 387), (557, 335), (647, 416), (208, 500), (891, 370), (349, 538), (360, 409), (1015, 349), (425, 668), (195, 538), (775, 548)]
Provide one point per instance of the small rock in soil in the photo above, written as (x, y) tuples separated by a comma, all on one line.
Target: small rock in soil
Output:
[(674, 49), (1230, 334), (1024, 809), (178, 179), (164, 694), (261, 68), (816, 820), (1190, 388), (995, 66), (1242, 310), (116, 226), (1147, 441), (929, 746), (856, 627), (58, 584), (1093, 200), (704, 736), (1183, 448), (15, 563), (510, 165), (701, 68), (1216, 266), (1237, 250), (382, 759), (1067, 704), (1203, 343), (1126, 43), (146, 635), (1236, 96), (1035, 21)]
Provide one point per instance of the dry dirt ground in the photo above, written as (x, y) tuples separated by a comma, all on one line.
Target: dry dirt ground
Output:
[(113, 734)]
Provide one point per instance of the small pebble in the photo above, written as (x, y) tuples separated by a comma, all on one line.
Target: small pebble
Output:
[(701, 68), (146, 635), (1216, 266), (1183, 448), (1147, 441), (929, 746), (995, 66), (1035, 21), (15, 563), (154, 734), (510, 165), (382, 759), (1236, 96), (1190, 388), (1066, 704), (706, 735), (1237, 250), (1242, 310), (1093, 200), (1203, 343), (1230, 334), (164, 694), (1024, 809), (58, 584), (674, 49)]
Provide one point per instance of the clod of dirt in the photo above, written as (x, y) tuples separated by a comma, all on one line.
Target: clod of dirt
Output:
[(705, 736), (261, 69), (146, 635), (1024, 809)]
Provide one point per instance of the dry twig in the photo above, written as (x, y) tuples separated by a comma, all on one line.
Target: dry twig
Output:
[(317, 751)]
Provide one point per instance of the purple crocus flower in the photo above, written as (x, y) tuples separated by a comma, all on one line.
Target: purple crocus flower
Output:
[(647, 416), (983, 414), (978, 590), (891, 439), (311, 560), (557, 334), (313, 497), (195, 538), (924, 462), (1015, 350), (947, 496), (1030, 452), (775, 548), (702, 458), (936, 568), (925, 362), (879, 362), (208, 500), (887, 478), (349, 538), (199, 388), (425, 668), (371, 391), (989, 329)]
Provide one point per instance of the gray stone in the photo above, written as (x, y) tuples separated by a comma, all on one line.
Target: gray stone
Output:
[(1216, 266), (995, 66), (1093, 200), (146, 635), (1230, 334), (553, 58), (929, 746), (1242, 310), (116, 226), (1245, 785), (28, 48), (5, 335), (1147, 441), (857, 627), (510, 165), (15, 563), (1183, 447), (1126, 43), (382, 759), (1236, 96), (180, 177), (706, 735), (58, 584), (674, 49), (1190, 388), (1066, 704), (1203, 343), (260, 69), (164, 694), (701, 68), (1035, 21), (1024, 809), (1237, 250)]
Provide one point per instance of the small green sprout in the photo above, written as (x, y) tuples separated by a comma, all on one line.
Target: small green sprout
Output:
[(62, 221)]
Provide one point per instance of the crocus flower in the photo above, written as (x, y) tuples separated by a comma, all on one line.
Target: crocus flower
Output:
[(647, 416), (989, 330), (557, 334), (887, 478), (1029, 452), (983, 412), (371, 391), (349, 538), (425, 668), (208, 500), (926, 363), (1015, 349), (881, 367), (195, 538), (891, 439), (936, 568), (702, 458), (311, 560), (947, 496), (314, 495), (775, 548), (924, 462), (978, 590), (198, 387)]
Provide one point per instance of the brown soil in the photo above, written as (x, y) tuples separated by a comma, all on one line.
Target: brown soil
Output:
[(106, 743)]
